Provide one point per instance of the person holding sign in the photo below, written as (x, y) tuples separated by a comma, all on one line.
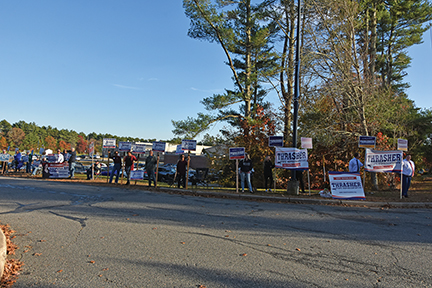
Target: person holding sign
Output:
[(355, 164), (245, 172), (408, 169), (150, 168), (268, 172), (129, 165), (181, 171), (116, 168), (5, 163)]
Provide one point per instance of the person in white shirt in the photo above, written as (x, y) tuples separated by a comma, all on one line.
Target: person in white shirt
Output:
[(60, 157), (355, 164), (408, 169)]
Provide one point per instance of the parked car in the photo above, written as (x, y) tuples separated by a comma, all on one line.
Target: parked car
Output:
[(80, 168), (166, 174)]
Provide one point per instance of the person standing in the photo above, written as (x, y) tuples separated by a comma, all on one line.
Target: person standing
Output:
[(245, 172), (129, 165), (116, 168), (60, 157), (181, 171), (408, 169), (150, 166), (268, 172), (29, 162), (5, 163), (72, 160), (355, 164)]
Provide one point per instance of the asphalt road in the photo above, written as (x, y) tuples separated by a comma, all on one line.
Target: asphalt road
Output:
[(74, 235)]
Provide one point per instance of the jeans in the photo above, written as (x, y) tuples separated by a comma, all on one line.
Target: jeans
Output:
[(128, 172), (248, 179), (151, 177), (116, 167), (28, 167), (72, 169), (406, 183), (181, 179)]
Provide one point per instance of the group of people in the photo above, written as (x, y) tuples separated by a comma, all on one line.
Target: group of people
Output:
[(129, 160), (408, 169)]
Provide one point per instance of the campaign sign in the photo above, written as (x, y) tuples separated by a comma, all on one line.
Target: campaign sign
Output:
[(159, 146), (346, 185), (383, 161), (179, 149), (58, 170), (4, 157), (52, 158), (367, 141), (236, 153), (41, 151), (139, 148), (137, 175), (91, 148), (402, 145), (109, 143), (276, 141), (189, 145), (125, 146), (25, 158), (306, 143), (291, 158)]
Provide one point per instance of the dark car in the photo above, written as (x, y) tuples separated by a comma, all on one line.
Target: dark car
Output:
[(166, 174)]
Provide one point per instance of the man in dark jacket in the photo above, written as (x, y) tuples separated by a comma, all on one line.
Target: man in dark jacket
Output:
[(181, 171), (245, 172), (72, 160), (151, 162), (268, 172), (129, 165), (116, 168)]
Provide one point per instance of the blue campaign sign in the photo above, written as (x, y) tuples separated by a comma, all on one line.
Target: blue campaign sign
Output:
[(159, 146), (189, 145), (179, 149), (109, 143), (236, 153), (367, 142), (276, 141), (125, 146), (4, 157)]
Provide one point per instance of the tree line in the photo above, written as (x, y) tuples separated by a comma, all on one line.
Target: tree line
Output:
[(28, 136)]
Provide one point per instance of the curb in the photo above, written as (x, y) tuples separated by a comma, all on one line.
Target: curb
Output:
[(296, 200), (3, 252)]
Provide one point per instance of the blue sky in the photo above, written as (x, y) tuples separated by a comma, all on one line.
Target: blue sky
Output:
[(120, 67)]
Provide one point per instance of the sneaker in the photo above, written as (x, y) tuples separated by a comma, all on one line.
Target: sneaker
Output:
[(266, 190), (242, 191)]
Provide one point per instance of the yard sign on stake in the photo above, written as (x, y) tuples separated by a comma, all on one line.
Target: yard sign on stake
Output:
[(367, 142), (188, 145), (306, 143), (402, 145), (236, 154)]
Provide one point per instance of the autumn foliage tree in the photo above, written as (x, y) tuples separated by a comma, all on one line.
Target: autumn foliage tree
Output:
[(16, 135), (3, 143), (63, 145), (81, 144), (50, 142)]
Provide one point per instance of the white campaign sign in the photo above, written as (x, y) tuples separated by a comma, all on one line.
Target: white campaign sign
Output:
[(291, 158), (383, 161), (346, 185)]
